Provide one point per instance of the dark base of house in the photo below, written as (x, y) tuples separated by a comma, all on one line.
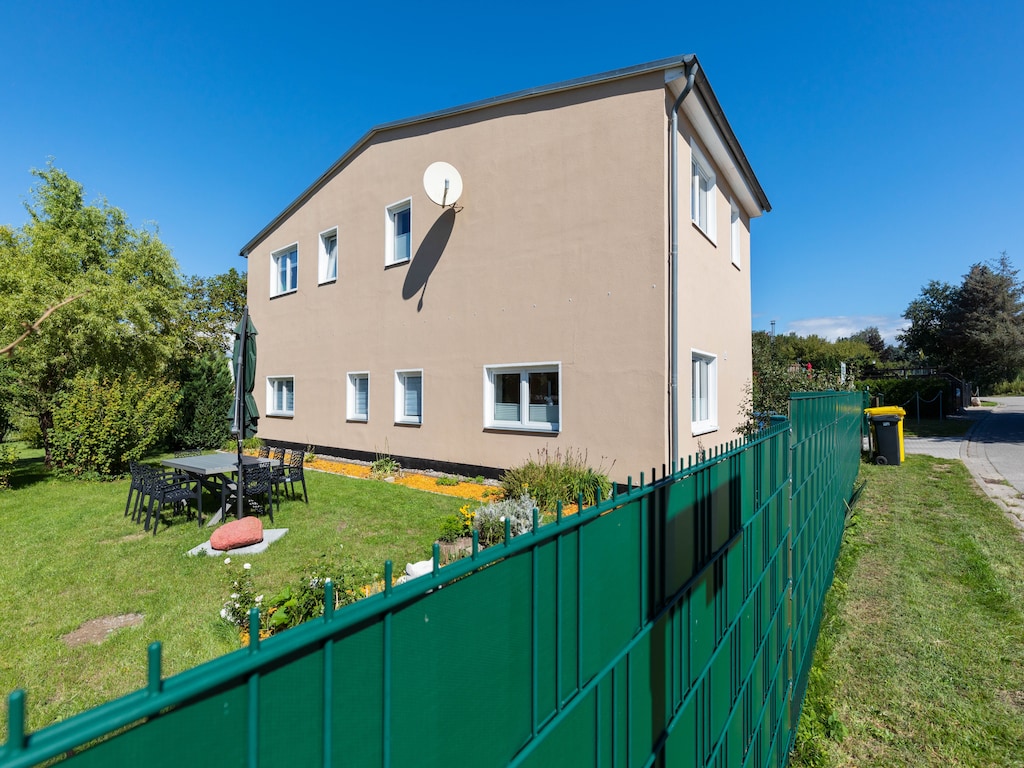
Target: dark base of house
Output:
[(407, 462)]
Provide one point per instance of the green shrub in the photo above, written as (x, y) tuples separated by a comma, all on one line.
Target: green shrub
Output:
[(447, 480), (8, 457), (451, 529), (100, 425), (554, 477), (28, 430), (206, 396), (297, 602), (384, 466), (902, 392), (489, 520)]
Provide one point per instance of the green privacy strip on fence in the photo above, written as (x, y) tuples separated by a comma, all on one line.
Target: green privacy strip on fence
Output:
[(669, 625)]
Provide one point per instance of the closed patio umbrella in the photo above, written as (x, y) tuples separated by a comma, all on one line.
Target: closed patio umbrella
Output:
[(244, 415)]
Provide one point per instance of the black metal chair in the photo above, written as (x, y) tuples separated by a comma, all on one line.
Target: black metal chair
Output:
[(264, 451), (257, 489), (174, 490), (136, 487), (297, 473)]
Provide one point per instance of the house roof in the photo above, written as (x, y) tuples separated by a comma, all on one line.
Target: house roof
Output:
[(701, 85)]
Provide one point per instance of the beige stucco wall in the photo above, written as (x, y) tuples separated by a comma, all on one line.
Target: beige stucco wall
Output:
[(558, 254), (714, 306)]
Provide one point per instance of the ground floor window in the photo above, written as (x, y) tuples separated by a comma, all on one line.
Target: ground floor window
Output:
[(281, 396), (523, 397), (704, 400), (358, 397), (409, 397)]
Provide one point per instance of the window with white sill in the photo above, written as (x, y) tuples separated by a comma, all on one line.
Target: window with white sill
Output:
[(328, 268), (702, 193), (358, 398), (284, 270), (704, 392), (408, 397), (526, 397), (281, 396)]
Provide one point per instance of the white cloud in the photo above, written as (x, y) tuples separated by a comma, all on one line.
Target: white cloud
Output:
[(832, 328)]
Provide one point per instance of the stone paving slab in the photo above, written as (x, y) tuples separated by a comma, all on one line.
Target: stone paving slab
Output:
[(270, 535)]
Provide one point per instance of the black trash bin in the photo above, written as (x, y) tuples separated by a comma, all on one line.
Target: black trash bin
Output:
[(887, 439)]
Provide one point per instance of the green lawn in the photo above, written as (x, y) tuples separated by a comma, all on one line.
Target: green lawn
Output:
[(69, 555), (921, 657)]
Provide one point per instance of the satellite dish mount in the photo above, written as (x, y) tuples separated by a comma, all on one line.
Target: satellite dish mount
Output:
[(443, 184)]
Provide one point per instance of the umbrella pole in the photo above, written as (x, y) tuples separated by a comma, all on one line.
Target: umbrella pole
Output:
[(239, 394)]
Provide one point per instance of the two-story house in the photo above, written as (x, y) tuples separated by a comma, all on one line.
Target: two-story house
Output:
[(589, 289)]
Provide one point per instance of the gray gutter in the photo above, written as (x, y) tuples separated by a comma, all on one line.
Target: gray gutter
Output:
[(567, 85), (673, 206)]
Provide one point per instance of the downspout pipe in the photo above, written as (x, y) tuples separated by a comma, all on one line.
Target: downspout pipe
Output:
[(673, 205)]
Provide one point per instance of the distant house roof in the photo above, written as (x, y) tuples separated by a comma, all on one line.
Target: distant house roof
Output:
[(701, 85)]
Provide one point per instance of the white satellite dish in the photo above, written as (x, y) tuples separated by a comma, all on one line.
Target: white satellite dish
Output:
[(442, 183)]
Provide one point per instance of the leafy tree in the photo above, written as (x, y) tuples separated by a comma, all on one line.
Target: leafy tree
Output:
[(126, 316), (872, 337), (206, 394), (975, 329), (777, 373), (213, 307)]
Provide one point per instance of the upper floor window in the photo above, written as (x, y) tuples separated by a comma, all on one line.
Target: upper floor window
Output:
[(281, 396), (734, 234), (523, 397), (409, 397), (398, 225), (284, 270), (329, 256), (704, 399), (702, 194)]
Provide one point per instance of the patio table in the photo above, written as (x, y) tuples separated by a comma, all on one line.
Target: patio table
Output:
[(214, 471)]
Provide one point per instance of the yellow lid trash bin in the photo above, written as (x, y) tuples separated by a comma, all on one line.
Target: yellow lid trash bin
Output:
[(887, 425)]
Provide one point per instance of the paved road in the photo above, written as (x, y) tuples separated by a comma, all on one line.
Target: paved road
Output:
[(993, 451)]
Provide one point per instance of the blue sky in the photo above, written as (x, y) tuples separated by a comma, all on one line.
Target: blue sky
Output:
[(887, 135)]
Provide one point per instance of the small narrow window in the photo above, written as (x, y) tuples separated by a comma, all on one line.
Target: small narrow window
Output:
[(398, 245), (358, 396), (735, 229), (328, 256), (409, 397), (702, 195), (704, 399), (281, 396), (284, 265)]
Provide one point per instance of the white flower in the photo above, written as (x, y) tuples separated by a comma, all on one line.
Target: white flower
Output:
[(234, 595), (502, 518), (327, 579), (259, 598), (247, 566), (223, 613), (227, 561)]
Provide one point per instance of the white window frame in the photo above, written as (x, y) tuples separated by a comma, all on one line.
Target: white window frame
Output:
[(701, 424), (352, 414), (401, 377), (735, 230), (324, 272), (390, 236), (276, 286), (701, 169), (273, 395), (524, 423)]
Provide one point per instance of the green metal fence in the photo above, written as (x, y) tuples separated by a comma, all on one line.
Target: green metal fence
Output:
[(673, 624)]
